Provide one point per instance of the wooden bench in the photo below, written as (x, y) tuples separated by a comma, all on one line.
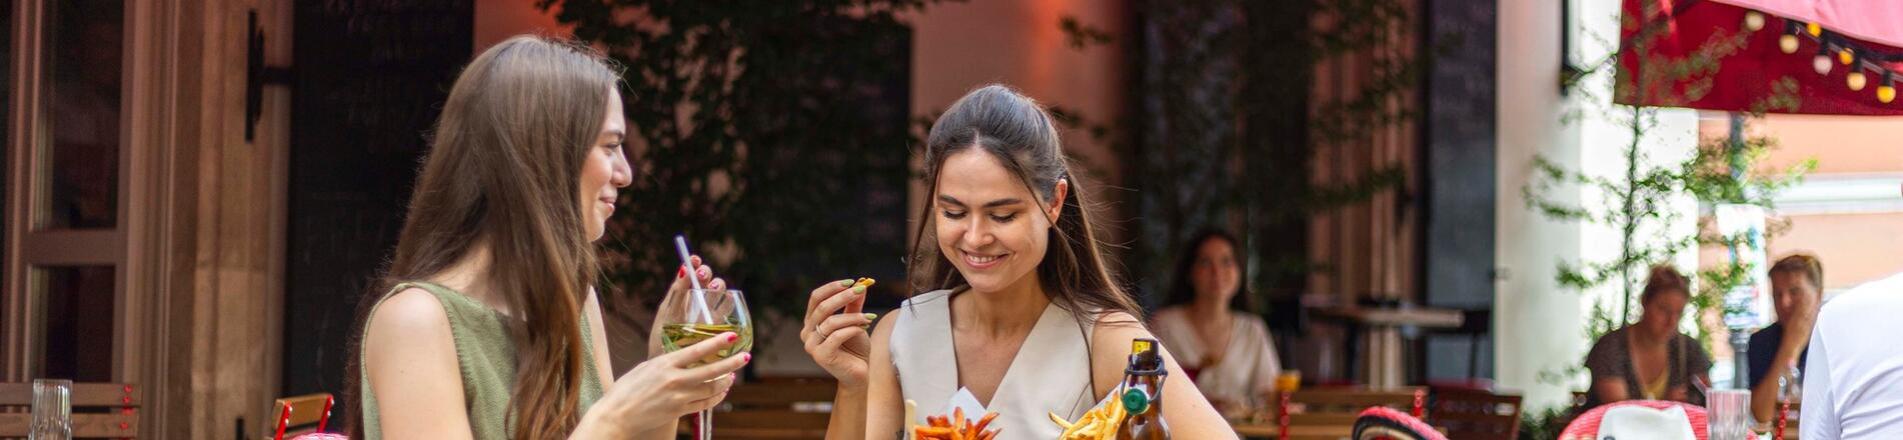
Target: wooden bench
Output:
[(100, 410)]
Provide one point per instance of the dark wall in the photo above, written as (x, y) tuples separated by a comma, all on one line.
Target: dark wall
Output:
[(370, 77), (1459, 158)]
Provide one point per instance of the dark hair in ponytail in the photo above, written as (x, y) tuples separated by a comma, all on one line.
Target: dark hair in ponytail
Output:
[(1018, 132)]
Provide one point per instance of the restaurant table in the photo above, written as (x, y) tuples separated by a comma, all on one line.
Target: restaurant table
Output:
[(1380, 329)]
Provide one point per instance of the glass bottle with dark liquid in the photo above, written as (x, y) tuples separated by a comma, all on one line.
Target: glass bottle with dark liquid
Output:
[(1143, 393)]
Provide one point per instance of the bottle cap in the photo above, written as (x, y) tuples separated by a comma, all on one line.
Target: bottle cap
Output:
[(1136, 401)]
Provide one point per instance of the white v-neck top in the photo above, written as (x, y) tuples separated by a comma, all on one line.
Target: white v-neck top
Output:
[(1248, 365), (1050, 373)]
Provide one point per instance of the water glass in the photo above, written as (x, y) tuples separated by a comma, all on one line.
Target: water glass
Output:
[(52, 410), (1730, 414)]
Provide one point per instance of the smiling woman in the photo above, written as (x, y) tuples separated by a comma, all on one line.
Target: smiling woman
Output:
[(488, 326), (1016, 286)]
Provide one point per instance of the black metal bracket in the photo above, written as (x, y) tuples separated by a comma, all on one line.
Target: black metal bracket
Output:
[(257, 75), (1569, 72)]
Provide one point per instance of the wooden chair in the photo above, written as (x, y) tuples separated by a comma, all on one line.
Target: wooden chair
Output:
[(297, 415), (1330, 414), (1466, 413), (100, 410), (776, 409)]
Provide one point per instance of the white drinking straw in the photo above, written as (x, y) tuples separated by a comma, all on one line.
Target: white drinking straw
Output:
[(687, 260)]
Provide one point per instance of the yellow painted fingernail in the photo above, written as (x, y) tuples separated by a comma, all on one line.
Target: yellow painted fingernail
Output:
[(872, 316), (845, 283)]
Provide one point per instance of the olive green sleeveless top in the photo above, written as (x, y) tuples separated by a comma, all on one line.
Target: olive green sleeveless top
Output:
[(486, 357)]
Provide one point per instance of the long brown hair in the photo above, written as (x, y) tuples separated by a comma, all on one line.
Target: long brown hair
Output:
[(504, 170), (1018, 132)]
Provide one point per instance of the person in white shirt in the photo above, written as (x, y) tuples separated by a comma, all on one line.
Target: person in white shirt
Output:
[(1853, 386), (1208, 325)]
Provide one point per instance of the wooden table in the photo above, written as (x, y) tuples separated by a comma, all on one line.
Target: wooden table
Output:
[(1269, 430), (1381, 333)]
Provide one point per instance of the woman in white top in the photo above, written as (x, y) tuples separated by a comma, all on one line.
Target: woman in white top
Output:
[(1019, 307), (1207, 324)]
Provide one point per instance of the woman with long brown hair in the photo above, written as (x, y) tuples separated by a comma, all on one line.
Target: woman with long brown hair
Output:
[(1019, 308), (486, 325), (1208, 320)]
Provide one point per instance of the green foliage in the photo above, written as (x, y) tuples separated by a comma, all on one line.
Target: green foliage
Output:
[(769, 132), (1636, 203), (1198, 156)]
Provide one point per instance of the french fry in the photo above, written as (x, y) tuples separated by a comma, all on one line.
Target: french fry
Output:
[(865, 282), (1061, 422), (911, 419), (933, 432), (984, 421), (959, 423)]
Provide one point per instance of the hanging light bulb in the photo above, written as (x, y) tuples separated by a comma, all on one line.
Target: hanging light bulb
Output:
[(1788, 41), (1846, 56), (1822, 62), (1814, 29), (1753, 20), (1855, 78), (1887, 91)]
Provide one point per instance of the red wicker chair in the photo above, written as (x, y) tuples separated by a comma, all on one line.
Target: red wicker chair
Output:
[(1586, 426), (1383, 423)]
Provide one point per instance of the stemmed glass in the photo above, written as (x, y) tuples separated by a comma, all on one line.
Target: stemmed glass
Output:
[(706, 313)]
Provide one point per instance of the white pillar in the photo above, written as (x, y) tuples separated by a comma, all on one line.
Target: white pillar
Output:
[(1538, 325)]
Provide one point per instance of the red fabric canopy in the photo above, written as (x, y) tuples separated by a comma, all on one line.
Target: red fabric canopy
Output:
[(1747, 75)]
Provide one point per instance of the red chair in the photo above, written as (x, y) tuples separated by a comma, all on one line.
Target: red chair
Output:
[(1586, 426), (301, 417), (1786, 427)]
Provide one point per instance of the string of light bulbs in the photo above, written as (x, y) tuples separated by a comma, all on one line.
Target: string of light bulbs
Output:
[(1847, 52)]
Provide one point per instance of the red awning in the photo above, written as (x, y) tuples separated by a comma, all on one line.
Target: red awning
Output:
[(1870, 31)]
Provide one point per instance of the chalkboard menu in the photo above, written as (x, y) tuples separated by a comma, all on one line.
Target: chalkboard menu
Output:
[(369, 80), (1457, 269)]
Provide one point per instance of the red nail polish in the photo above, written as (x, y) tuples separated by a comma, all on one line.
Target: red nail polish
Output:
[(732, 337), (746, 357), (680, 273)]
